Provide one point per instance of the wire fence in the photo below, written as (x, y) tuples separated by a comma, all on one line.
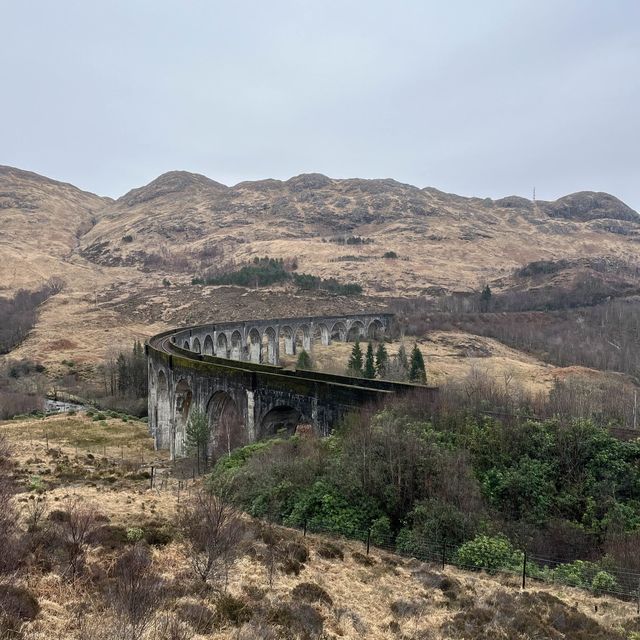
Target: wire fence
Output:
[(598, 578), (601, 577)]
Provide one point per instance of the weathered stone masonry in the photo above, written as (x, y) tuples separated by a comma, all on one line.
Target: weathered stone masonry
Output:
[(230, 371)]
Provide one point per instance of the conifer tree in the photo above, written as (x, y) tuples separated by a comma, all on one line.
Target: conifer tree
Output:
[(355, 361), (402, 358), (197, 436), (382, 360), (304, 360), (369, 363), (417, 372)]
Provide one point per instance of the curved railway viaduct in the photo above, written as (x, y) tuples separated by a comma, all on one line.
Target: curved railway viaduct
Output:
[(231, 372)]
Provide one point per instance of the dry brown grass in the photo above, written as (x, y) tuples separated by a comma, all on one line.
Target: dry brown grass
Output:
[(385, 597)]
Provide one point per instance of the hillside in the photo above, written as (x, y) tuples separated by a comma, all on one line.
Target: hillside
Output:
[(115, 255)]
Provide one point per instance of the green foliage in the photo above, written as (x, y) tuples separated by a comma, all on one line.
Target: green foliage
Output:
[(603, 582), (262, 272), (382, 360), (304, 360), (489, 553), (369, 363), (309, 282), (417, 372), (197, 435), (134, 534), (356, 363)]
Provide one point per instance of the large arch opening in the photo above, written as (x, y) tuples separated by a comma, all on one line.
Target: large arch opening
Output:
[(183, 399), (303, 338), (186, 345), (269, 351), (254, 344), (222, 348), (207, 347), (236, 345), (225, 425), (162, 413), (196, 345), (321, 335), (356, 331), (280, 420), (287, 337), (339, 332), (375, 330)]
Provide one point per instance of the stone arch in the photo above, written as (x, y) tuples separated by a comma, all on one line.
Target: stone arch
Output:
[(254, 343), (302, 338), (279, 418), (339, 331), (356, 330), (288, 335), (222, 348), (186, 345), (196, 345), (207, 347), (162, 412), (322, 335), (225, 425), (375, 330), (183, 402), (269, 346), (236, 345)]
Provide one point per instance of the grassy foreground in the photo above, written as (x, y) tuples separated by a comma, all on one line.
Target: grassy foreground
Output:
[(280, 584)]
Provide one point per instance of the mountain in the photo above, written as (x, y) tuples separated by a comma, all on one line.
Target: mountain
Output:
[(128, 263)]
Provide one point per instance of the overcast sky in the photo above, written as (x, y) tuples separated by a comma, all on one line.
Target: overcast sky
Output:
[(478, 97)]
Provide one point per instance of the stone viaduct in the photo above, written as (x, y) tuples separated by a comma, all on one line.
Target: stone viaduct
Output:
[(231, 372)]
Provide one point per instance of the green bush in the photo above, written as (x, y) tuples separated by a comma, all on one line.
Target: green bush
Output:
[(135, 534), (489, 553), (603, 581)]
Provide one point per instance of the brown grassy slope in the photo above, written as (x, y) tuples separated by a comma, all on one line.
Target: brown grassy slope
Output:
[(442, 239), (382, 597)]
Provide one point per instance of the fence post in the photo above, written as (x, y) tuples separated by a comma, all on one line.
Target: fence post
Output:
[(444, 552), (368, 540), (638, 609), (151, 479), (304, 529), (524, 569)]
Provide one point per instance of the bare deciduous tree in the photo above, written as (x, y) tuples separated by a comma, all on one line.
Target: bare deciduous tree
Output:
[(213, 531)]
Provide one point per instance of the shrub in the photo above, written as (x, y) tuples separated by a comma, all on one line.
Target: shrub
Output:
[(330, 551), (17, 603), (135, 534), (311, 592), (232, 610), (198, 616), (392, 255), (489, 553), (128, 238), (603, 581)]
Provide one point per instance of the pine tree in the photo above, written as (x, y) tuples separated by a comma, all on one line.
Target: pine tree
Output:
[(369, 363), (197, 436), (417, 372), (485, 298), (304, 360), (356, 361), (382, 360)]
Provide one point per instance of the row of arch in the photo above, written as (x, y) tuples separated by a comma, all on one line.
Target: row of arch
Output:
[(265, 346), (226, 424)]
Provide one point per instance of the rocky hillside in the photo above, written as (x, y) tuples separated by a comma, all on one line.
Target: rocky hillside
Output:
[(128, 263), (180, 220)]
